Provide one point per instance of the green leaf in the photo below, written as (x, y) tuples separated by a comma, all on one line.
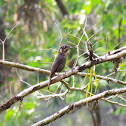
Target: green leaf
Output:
[(9, 114), (118, 111), (119, 6), (29, 105)]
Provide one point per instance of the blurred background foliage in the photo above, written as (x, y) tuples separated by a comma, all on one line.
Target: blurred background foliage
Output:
[(35, 41)]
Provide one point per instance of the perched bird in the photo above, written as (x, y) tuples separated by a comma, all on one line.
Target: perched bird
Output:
[(59, 61)]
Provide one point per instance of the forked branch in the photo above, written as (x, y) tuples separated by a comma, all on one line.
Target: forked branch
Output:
[(87, 65)]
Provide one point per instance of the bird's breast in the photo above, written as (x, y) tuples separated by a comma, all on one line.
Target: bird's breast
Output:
[(61, 64)]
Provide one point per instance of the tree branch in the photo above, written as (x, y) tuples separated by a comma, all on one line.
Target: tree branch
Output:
[(104, 78), (77, 104), (62, 7), (121, 52), (25, 67), (68, 73)]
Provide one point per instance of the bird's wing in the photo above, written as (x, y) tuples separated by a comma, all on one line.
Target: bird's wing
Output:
[(55, 65)]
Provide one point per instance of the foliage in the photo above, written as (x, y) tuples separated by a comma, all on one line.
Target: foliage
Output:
[(38, 31), (14, 116)]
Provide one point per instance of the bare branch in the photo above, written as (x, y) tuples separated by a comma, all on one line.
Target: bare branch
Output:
[(53, 95), (77, 104), (3, 51), (65, 84), (60, 34), (102, 59), (117, 50), (103, 77), (68, 73), (78, 49), (73, 81), (3, 42), (104, 99), (113, 102), (44, 49), (25, 67), (11, 31)]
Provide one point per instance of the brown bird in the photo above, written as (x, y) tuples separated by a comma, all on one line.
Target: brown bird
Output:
[(59, 61)]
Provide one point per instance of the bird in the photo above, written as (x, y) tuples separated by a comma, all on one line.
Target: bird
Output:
[(59, 61)]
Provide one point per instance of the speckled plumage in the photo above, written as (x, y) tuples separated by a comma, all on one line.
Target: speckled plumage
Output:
[(59, 61)]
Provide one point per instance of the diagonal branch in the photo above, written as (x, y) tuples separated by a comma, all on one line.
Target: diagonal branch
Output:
[(104, 78), (121, 52), (62, 7), (68, 73), (77, 104)]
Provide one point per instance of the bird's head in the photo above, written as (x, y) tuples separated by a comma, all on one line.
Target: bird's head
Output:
[(64, 49)]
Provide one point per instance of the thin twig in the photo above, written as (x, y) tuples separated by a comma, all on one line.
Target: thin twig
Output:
[(54, 50), (3, 51), (52, 95), (3, 42), (78, 49), (103, 77), (77, 104), (60, 34), (73, 81), (11, 31)]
